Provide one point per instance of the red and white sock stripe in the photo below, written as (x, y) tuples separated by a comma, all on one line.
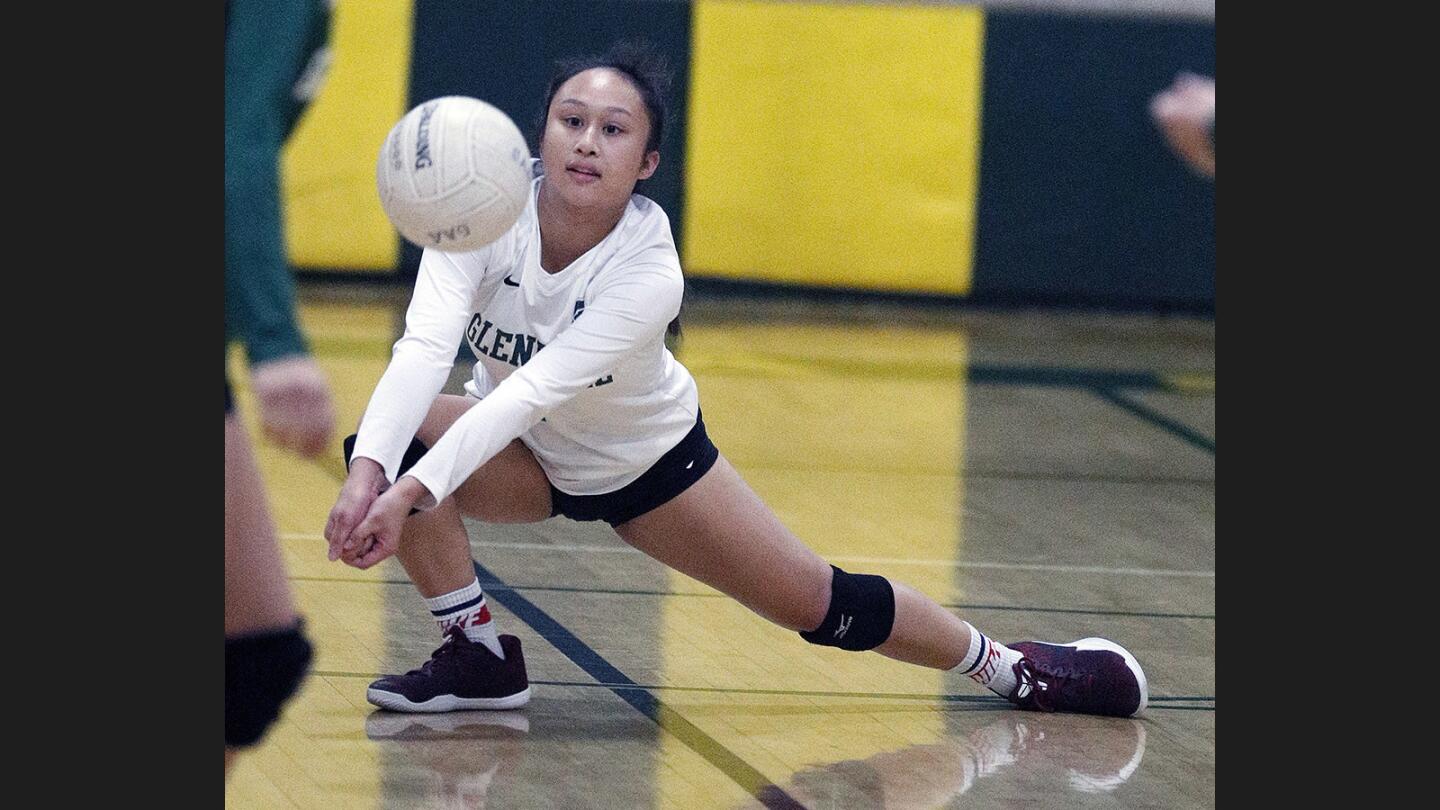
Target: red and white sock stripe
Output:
[(466, 609)]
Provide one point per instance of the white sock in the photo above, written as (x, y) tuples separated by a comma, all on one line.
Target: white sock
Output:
[(989, 663), (467, 609)]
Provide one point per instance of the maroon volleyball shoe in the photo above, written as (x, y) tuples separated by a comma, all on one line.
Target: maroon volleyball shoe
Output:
[(461, 674), (1089, 676)]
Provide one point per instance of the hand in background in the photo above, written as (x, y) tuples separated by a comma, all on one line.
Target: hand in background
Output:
[(295, 408), (1185, 112)]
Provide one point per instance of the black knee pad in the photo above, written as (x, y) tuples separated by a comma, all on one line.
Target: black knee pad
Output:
[(861, 615), (413, 453), (262, 671)]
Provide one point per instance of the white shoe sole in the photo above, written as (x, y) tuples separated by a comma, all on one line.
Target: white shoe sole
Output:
[(383, 725), (1094, 643), (444, 703)]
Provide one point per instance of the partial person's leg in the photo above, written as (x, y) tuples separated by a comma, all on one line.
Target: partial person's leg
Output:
[(266, 654), (257, 594), (720, 532)]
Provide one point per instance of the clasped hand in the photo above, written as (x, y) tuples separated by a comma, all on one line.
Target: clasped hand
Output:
[(365, 524)]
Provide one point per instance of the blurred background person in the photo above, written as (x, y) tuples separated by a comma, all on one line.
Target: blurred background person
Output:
[(275, 57)]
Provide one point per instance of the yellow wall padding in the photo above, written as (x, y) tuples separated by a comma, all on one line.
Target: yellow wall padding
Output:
[(333, 217), (834, 145)]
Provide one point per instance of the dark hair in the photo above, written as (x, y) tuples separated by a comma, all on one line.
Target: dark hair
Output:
[(646, 70)]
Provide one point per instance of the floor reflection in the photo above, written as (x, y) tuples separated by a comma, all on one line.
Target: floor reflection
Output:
[(462, 753), (453, 760), (1043, 753)]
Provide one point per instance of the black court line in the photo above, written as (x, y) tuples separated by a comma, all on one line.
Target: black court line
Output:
[(632, 686), (1086, 612), (878, 469), (639, 697), (1101, 478), (1059, 377), (956, 605), (995, 700), (335, 469), (976, 374), (640, 592), (1165, 423), (1156, 701)]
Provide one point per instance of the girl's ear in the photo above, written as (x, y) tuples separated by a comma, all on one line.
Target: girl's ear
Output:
[(651, 163)]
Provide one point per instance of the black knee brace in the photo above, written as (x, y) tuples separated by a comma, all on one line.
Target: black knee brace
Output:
[(413, 453), (861, 615), (262, 671)]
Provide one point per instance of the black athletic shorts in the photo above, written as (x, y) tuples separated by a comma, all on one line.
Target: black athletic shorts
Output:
[(671, 475)]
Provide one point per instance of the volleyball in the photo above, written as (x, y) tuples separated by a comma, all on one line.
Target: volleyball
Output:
[(453, 174)]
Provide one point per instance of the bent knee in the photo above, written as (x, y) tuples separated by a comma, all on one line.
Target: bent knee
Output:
[(800, 607), (860, 614)]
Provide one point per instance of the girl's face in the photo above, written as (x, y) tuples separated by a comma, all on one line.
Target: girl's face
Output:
[(593, 146)]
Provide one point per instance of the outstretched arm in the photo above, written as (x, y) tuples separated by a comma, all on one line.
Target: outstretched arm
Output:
[(419, 365), (625, 315)]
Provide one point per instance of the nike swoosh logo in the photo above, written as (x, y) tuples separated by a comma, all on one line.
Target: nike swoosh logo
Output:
[(510, 283)]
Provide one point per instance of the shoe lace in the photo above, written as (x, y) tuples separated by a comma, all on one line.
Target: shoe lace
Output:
[(1045, 689), (447, 648)]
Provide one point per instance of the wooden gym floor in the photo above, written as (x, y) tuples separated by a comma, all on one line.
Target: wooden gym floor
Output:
[(1046, 475)]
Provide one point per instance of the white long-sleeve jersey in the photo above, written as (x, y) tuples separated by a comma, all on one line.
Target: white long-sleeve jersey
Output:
[(573, 363)]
